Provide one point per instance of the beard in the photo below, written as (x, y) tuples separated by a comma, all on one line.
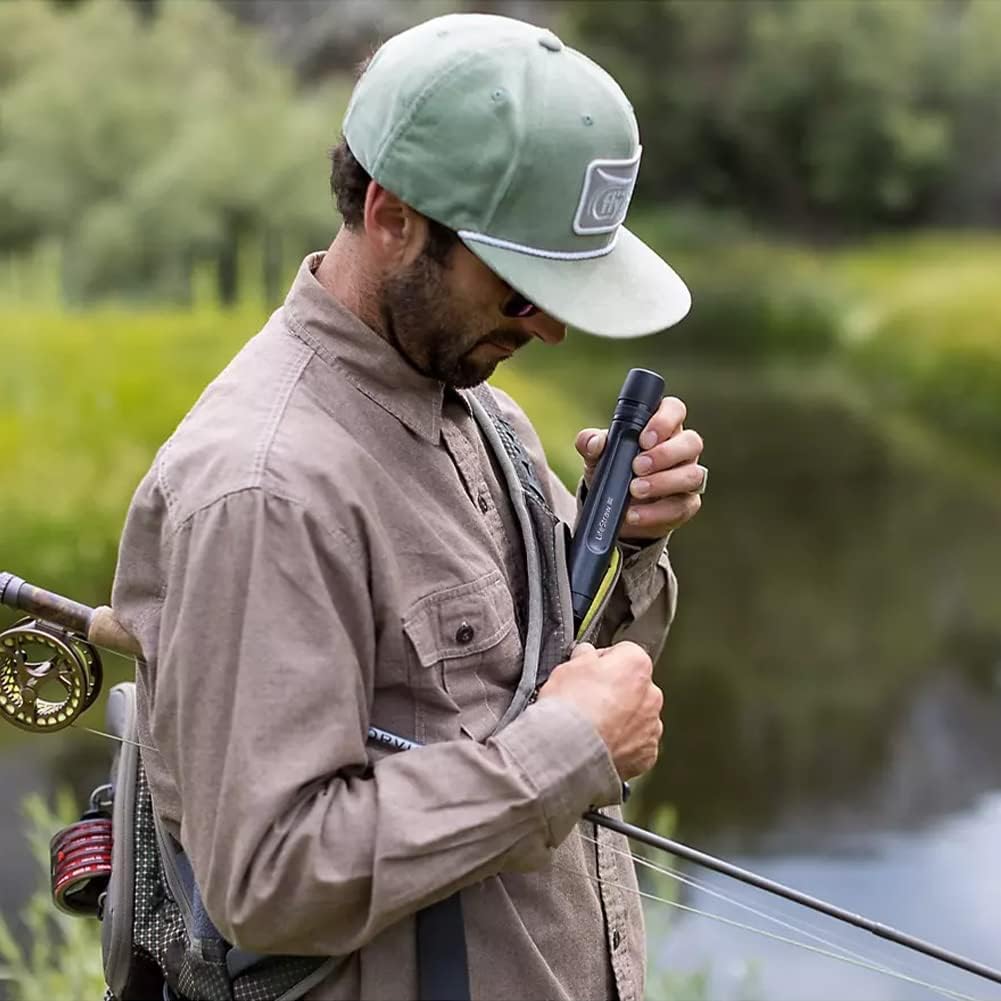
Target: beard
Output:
[(423, 321)]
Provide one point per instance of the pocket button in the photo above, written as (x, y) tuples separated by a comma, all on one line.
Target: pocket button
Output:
[(464, 634)]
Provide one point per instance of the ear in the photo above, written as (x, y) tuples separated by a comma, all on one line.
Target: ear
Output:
[(395, 231)]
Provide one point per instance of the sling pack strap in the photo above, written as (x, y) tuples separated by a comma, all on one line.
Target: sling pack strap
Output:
[(442, 963), (442, 966)]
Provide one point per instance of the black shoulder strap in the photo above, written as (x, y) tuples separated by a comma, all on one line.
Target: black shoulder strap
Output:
[(442, 966)]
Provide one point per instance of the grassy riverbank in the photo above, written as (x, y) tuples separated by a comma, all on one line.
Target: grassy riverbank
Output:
[(910, 326)]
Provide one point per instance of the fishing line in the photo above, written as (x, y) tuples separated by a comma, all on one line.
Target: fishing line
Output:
[(111, 736), (864, 964), (686, 852), (799, 929)]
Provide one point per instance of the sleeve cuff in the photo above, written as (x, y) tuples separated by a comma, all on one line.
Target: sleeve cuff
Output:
[(645, 573), (565, 759)]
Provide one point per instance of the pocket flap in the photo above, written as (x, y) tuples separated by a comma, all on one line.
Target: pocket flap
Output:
[(462, 620)]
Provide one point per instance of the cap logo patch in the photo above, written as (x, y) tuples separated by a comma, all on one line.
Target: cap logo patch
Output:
[(608, 187)]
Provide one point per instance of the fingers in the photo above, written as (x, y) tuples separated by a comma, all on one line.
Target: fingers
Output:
[(590, 443), (665, 423), (634, 654), (686, 446), (582, 650), (684, 479), (667, 471), (668, 474), (651, 520)]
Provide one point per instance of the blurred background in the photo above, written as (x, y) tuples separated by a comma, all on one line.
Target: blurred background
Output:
[(826, 174)]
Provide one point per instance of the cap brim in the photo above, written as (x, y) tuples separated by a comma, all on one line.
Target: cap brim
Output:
[(629, 292)]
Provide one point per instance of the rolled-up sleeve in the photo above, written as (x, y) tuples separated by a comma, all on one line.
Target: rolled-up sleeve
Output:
[(265, 668)]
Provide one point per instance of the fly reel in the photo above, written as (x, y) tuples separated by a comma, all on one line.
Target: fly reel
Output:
[(48, 676)]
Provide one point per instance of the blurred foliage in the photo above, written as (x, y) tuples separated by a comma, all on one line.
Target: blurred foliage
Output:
[(143, 140), (822, 118), (909, 326), (752, 297), (88, 398), (62, 957), (144, 146), (922, 327)]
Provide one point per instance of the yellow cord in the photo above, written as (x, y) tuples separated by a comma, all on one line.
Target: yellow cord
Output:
[(599, 599)]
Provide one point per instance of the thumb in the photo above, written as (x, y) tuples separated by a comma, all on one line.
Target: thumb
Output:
[(582, 650), (590, 444)]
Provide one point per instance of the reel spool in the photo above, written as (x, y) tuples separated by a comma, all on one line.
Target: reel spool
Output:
[(80, 858), (48, 676)]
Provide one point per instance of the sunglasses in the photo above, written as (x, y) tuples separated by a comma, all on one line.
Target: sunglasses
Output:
[(518, 307)]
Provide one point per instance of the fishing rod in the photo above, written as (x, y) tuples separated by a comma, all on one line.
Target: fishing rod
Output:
[(58, 643), (676, 848)]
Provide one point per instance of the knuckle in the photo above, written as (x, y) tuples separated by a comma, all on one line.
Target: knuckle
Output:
[(693, 476), (679, 410), (695, 441), (640, 657)]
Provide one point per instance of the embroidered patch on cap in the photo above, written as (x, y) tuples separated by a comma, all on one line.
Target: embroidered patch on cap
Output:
[(608, 186)]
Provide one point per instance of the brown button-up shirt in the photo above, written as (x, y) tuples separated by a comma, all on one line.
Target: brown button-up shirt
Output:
[(324, 544)]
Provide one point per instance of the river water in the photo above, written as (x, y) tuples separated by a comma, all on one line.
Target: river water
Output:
[(833, 713)]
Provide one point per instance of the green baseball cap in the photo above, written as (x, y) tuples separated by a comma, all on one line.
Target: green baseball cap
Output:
[(529, 151)]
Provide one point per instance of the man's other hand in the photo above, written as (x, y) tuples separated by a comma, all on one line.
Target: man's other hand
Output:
[(614, 689)]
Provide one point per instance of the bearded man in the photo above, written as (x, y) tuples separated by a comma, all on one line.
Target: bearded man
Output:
[(334, 551)]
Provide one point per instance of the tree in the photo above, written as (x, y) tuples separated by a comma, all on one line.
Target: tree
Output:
[(146, 145), (823, 116)]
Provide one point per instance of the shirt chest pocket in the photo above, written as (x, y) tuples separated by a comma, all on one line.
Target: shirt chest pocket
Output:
[(466, 658)]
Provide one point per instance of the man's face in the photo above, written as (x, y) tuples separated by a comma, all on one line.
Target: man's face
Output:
[(445, 319)]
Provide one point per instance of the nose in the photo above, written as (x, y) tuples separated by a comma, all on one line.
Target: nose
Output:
[(545, 327)]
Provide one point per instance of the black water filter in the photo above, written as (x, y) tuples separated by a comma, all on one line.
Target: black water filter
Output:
[(608, 496)]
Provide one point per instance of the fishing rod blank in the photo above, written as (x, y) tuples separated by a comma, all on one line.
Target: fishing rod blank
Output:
[(680, 850)]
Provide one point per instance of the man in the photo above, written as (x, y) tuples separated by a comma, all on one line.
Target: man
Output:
[(328, 543)]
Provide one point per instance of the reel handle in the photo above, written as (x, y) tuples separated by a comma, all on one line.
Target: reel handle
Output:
[(98, 625)]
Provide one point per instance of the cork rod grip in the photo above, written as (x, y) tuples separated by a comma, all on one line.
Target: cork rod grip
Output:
[(99, 625), (106, 631)]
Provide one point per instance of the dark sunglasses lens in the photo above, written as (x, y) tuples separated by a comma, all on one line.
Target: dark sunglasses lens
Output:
[(518, 306)]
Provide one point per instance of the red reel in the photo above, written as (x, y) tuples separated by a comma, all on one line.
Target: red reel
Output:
[(80, 862)]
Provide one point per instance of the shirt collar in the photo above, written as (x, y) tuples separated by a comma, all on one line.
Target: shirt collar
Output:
[(369, 362)]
